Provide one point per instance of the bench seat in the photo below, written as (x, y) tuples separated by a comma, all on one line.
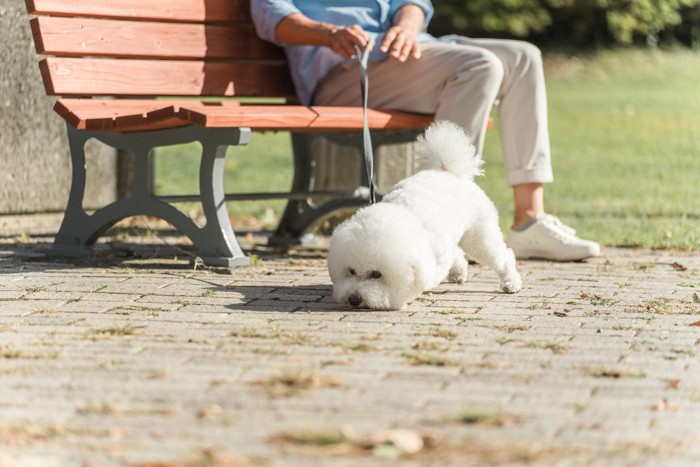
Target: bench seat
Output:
[(142, 115)]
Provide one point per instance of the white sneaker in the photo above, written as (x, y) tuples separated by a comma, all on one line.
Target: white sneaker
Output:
[(548, 238)]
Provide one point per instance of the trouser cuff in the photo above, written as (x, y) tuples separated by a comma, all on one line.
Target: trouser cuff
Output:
[(519, 177)]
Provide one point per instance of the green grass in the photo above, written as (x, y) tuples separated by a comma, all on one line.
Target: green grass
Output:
[(625, 133), (263, 165)]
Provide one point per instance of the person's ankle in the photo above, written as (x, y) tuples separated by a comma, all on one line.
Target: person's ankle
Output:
[(522, 220)]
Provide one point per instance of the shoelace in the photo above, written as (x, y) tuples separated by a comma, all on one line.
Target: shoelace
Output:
[(556, 229), (555, 222)]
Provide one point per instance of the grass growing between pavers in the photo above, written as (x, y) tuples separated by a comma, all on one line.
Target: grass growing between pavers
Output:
[(429, 359), (292, 383), (472, 417), (113, 331), (615, 373), (626, 152)]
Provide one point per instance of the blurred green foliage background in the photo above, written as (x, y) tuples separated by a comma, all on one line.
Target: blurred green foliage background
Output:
[(573, 23)]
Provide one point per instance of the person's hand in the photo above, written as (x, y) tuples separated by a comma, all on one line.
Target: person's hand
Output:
[(343, 40), (400, 43)]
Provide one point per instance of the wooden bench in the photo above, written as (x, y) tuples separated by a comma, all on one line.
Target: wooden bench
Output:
[(138, 75)]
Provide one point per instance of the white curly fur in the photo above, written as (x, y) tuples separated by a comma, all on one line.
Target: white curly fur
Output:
[(446, 146), (388, 253)]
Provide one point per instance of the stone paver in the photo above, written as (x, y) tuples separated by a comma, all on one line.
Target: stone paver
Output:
[(154, 363)]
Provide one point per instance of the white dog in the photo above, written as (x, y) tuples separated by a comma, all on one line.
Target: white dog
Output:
[(388, 253)]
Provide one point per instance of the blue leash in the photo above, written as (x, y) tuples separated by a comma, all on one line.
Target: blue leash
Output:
[(363, 59)]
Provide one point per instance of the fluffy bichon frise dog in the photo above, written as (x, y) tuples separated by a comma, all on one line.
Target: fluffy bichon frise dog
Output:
[(388, 253)]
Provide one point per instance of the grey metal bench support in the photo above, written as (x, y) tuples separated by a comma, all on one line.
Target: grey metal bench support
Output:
[(215, 242), (302, 214)]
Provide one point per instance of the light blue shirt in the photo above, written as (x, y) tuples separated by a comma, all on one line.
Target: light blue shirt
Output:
[(309, 64)]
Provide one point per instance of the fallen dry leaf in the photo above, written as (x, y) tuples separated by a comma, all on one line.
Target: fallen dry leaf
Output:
[(209, 412), (679, 267), (346, 362), (406, 441), (659, 406), (697, 323)]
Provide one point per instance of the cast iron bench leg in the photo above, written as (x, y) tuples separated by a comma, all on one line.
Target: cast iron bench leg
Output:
[(215, 242), (301, 216)]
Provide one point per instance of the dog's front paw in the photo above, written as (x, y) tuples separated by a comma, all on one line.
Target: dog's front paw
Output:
[(459, 272), (458, 277), (512, 286)]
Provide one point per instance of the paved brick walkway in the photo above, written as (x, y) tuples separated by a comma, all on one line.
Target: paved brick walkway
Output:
[(149, 362)]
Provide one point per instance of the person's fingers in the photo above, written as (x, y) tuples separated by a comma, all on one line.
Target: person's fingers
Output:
[(417, 51), (400, 44), (345, 39), (343, 43), (388, 40), (359, 35), (406, 49)]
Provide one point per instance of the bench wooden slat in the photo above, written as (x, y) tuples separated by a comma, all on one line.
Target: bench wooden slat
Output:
[(116, 114), (142, 114), (288, 117), (350, 118), (165, 10), (93, 37), (253, 116), (114, 77)]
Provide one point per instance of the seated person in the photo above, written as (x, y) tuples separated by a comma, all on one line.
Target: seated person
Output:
[(455, 78)]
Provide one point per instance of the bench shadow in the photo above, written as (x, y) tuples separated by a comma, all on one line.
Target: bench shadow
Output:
[(135, 249), (307, 299), (33, 255), (285, 299)]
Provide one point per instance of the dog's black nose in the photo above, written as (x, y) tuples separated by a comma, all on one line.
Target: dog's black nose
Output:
[(354, 300)]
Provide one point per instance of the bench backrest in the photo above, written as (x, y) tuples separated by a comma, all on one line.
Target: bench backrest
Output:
[(148, 48)]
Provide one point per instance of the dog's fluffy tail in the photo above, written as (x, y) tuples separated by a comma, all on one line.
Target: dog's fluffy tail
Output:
[(446, 146)]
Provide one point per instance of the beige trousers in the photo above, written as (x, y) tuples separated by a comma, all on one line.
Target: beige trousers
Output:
[(462, 81)]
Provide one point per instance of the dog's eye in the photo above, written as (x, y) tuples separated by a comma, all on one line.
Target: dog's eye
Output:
[(352, 271), (375, 275)]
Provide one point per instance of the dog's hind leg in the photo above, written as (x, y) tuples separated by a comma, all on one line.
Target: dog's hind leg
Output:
[(486, 246), (459, 272)]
